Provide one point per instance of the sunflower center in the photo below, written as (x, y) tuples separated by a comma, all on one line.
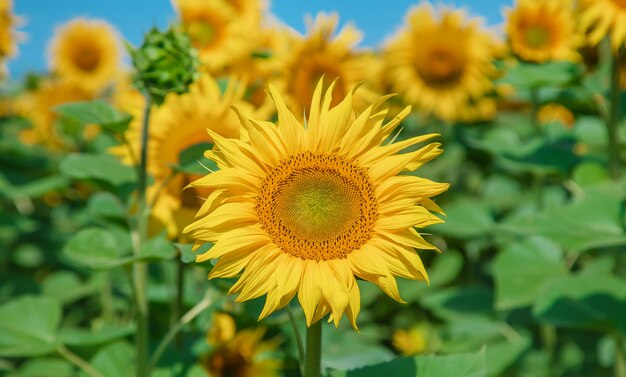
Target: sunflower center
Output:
[(317, 206), (537, 36), (86, 58), (441, 66), (308, 75), (203, 33)]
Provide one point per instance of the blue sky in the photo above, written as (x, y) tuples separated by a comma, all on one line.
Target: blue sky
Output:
[(377, 19)]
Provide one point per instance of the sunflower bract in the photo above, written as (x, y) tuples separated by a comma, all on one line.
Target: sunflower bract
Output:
[(306, 210)]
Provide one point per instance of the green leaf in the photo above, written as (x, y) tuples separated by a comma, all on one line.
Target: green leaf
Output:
[(584, 301), (465, 218), (350, 350), (66, 286), (460, 301), (461, 365), (500, 355), (115, 360), (192, 160), (28, 326), (106, 206), (81, 337), (96, 112), (591, 222), (529, 75), (97, 167), (521, 270), (157, 249), (45, 367), (95, 248)]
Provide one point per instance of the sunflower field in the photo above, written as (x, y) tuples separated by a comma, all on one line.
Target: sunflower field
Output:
[(450, 203)]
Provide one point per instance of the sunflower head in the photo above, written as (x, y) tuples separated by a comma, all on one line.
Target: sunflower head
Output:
[(217, 31), (8, 36), (541, 31), (325, 53), (164, 63), (241, 354), (307, 210), (85, 53), (555, 113), (602, 18), (412, 341), (440, 61)]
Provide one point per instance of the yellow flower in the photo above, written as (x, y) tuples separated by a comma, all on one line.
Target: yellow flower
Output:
[(241, 354), (441, 63), (553, 112), (86, 53), (7, 34), (38, 106), (181, 122), (252, 9), (541, 31), (604, 17), (323, 52), (217, 31), (410, 342), (306, 210)]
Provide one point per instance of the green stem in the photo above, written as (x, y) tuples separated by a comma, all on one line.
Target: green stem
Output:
[(78, 361), (178, 300), (313, 358), (620, 357), (548, 336), (614, 119), (185, 319), (139, 235), (296, 331), (535, 101)]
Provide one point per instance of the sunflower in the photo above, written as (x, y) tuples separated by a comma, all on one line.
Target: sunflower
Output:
[(306, 210), (412, 341), (303, 60), (555, 113), (180, 123), (251, 9), (241, 354), (441, 63), (541, 31), (604, 17), (86, 53), (220, 35), (38, 106), (7, 34)]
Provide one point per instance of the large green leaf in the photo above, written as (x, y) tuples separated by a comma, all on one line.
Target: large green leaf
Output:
[(522, 269), (115, 360), (350, 350), (192, 160), (593, 301), (465, 218), (96, 112), (529, 75), (28, 326), (462, 365), (98, 168), (45, 367), (95, 248), (460, 301), (81, 337)]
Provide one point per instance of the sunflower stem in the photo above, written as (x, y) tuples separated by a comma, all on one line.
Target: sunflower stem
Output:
[(614, 119), (78, 361), (535, 102), (620, 357), (139, 235), (296, 331), (313, 354)]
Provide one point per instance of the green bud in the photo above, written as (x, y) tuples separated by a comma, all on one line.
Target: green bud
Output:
[(165, 63)]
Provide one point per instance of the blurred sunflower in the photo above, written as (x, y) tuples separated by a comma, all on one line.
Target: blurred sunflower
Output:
[(555, 113), (251, 9), (305, 210), (323, 53), (7, 34), (412, 341), (86, 53), (180, 123), (440, 64), (220, 35), (541, 31), (600, 18), (240, 354), (38, 106)]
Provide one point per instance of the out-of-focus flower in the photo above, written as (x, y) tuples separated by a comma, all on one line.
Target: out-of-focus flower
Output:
[(604, 17), (555, 113), (541, 31), (8, 36), (217, 31), (181, 122), (86, 53), (324, 53), (440, 63), (306, 210), (412, 341), (241, 354), (38, 106)]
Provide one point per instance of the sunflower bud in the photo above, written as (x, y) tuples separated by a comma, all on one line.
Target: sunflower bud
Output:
[(165, 63)]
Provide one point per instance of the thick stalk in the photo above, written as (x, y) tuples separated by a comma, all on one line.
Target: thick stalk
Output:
[(313, 359), (139, 235), (614, 119), (620, 357)]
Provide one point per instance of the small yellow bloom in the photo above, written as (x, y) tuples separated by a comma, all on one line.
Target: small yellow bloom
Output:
[(541, 31), (307, 210), (86, 53), (555, 113), (412, 341), (8, 36), (441, 62)]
